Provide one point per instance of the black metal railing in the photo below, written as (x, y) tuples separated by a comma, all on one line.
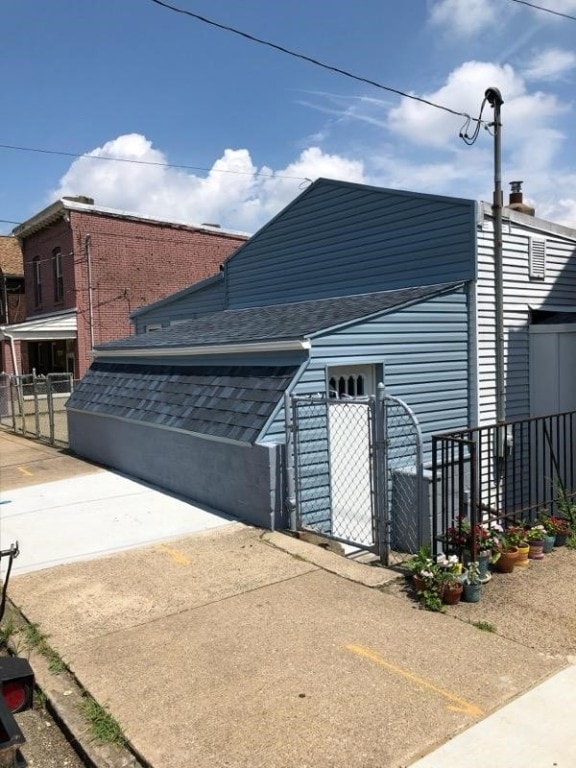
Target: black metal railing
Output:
[(506, 472)]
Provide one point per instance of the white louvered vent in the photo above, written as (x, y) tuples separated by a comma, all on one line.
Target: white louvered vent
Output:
[(537, 259)]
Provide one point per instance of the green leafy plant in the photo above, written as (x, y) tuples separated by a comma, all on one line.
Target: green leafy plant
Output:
[(472, 575), (462, 535), (431, 600), (566, 505), (422, 561), (536, 533), (552, 525), (514, 536)]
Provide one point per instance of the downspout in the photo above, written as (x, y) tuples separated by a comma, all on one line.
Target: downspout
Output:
[(5, 299), (13, 352), (87, 242)]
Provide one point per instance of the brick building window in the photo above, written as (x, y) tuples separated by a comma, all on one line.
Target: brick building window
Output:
[(37, 278), (58, 276)]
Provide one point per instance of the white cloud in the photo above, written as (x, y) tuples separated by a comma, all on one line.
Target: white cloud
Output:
[(550, 64), (464, 17), (417, 148), (531, 138), (232, 192)]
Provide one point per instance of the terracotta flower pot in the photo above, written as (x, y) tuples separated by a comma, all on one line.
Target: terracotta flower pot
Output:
[(507, 560), (418, 583), (452, 593)]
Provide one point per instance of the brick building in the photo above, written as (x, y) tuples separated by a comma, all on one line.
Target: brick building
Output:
[(87, 267), (12, 298)]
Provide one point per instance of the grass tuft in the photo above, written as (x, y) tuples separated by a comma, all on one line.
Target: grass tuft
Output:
[(104, 727), (484, 626)]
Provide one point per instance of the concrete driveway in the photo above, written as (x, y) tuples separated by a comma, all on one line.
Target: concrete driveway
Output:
[(62, 509)]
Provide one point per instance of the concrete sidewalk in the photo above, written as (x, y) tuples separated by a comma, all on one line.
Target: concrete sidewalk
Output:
[(223, 649), (242, 648)]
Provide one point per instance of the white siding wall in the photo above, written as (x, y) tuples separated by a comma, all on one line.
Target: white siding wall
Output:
[(557, 290)]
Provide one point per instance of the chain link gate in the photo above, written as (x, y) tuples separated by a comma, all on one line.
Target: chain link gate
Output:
[(355, 472), (34, 406)]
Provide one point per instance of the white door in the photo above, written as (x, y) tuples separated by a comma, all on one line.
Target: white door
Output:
[(350, 473)]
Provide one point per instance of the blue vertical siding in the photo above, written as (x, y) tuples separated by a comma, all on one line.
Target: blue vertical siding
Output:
[(425, 351), (184, 305), (340, 239)]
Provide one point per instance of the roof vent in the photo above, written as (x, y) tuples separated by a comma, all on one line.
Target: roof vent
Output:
[(79, 199), (517, 200)]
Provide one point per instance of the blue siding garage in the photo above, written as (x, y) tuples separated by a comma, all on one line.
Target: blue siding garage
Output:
[(197, 408)]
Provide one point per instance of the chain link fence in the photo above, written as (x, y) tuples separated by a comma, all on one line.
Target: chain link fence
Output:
[(358, 473), (409, 507), (34, 406)]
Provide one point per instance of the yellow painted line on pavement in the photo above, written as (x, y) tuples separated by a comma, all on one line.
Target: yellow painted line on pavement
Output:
[(25, 471), (458, 704), (174, 554)]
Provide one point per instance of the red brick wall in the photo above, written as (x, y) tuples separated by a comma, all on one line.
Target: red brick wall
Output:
[(133, 263), (41, 244), (6, 361)]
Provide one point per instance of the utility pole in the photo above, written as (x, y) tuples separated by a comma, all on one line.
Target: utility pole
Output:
[(494, 98)]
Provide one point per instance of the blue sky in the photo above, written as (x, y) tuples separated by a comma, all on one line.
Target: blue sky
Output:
[(133, 80)]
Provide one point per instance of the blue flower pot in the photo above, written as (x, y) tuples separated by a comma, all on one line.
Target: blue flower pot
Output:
[(549, 543), (472, 593)]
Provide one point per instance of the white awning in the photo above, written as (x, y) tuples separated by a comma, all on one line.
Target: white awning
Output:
[(42, 329)]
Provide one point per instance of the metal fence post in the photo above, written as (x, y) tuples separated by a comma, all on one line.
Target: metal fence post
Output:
[(36, 407), (50, 405), (382, 532), (290, 458), (11, 393), (20, 390)]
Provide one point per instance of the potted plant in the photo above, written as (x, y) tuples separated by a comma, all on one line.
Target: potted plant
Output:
[(426, 578), (516, 537), (462, 538), (567, 508), (550, 529), (508, 552), (451, 587), (472, 591), (450, 578), (535, 537), (417, 565), (562, 530)]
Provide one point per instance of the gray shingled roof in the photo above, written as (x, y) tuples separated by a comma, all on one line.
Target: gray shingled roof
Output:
[(223, 401), (276, 322)]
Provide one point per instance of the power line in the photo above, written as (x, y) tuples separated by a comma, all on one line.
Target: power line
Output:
[(146, 162), (540, 8), (309, 59)]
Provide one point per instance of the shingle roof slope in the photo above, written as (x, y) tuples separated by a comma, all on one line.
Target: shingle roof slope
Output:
[(277, 321), (11, 260), (227, 401)]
